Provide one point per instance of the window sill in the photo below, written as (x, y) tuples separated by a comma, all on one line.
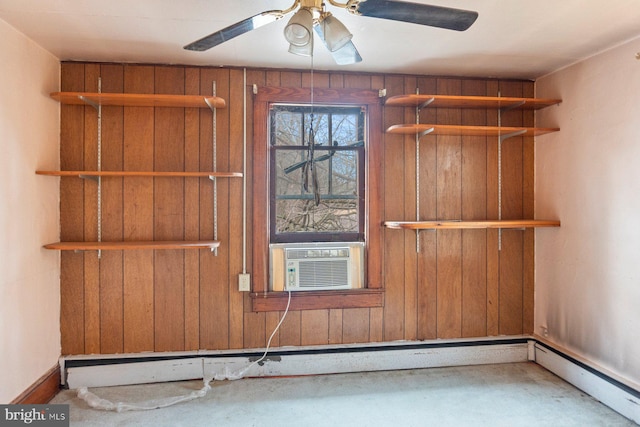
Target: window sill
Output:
[(317, 300)]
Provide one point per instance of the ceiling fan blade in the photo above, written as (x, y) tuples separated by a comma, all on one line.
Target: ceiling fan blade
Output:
[(346, 55), (423, 14), (234, 30)]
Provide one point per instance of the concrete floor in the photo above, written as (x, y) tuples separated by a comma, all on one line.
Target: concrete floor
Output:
[(517, 394)]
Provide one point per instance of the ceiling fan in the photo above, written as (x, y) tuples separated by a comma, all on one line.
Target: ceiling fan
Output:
[(312, 15)]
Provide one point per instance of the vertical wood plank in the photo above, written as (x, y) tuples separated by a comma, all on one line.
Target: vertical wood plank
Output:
[(427, 268), (169, 215), (138, 214), (111, 269), (314, 324), (493, 258), (236, 132), (528, 211), (91, 262), (474, 206), (375, 192), (511, 284), (394, 188), (449, 242), (355, 325), (216, 289), (511, 291), (335, 326), (72, 321), (213, 299), (254, 324), (410, 253), (192, 215), (290, 330)]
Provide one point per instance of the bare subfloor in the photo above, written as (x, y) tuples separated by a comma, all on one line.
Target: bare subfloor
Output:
[(518, 394)]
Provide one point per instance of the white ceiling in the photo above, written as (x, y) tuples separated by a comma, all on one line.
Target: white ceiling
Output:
[(511, 38)]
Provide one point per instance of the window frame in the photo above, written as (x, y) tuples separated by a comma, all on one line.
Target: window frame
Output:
[(302, 237), (372, 295)]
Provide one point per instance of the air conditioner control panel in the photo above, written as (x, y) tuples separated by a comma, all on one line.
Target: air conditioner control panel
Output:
[(292, 276)]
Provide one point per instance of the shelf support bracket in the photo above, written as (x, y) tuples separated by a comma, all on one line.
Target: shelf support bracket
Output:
[(512, 134), (89, 102), (513, 106), (425, 132), (211, 107), (425, 104), (91, 177)]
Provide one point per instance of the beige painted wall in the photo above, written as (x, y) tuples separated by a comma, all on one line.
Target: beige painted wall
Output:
[(29, 275), (588, 176)]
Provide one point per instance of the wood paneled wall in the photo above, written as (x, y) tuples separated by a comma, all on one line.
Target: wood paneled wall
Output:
[(459, 285)]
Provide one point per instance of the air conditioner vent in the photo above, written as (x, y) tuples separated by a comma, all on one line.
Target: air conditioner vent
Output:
[(319, 274)]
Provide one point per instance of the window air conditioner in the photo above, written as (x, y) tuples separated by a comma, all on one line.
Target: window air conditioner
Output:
[(317, 266)]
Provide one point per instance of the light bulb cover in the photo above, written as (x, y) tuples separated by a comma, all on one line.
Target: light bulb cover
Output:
[(336, 35), (298, 31)]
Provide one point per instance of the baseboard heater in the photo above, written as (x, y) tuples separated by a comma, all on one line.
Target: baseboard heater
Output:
[(595, 381), (110, 370)]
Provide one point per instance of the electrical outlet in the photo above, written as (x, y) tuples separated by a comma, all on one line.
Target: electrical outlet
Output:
[(244, 282)]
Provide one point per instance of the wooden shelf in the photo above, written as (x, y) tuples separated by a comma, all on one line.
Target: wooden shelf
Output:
[(456, 130), (440, 225), (139, 100), (453, 101), (141, 174), (133, 245)]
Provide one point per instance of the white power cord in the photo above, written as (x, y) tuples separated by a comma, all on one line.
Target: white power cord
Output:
[(106, 405), (98, 403)]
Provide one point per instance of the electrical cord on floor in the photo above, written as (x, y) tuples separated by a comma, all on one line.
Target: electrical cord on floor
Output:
[(266, 350), (98, 403)]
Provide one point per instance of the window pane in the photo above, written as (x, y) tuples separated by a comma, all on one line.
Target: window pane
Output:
[(320, 128), (288, 128), (344, 177), (345, 129), (332, 216)]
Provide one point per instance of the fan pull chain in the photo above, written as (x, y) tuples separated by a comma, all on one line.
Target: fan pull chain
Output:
[(312, 143)]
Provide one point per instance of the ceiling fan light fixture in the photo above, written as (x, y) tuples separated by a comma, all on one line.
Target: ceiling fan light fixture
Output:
[(298, 31), (336, 35)]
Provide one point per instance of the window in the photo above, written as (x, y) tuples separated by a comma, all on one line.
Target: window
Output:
[(317, 191), (349, 189)]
